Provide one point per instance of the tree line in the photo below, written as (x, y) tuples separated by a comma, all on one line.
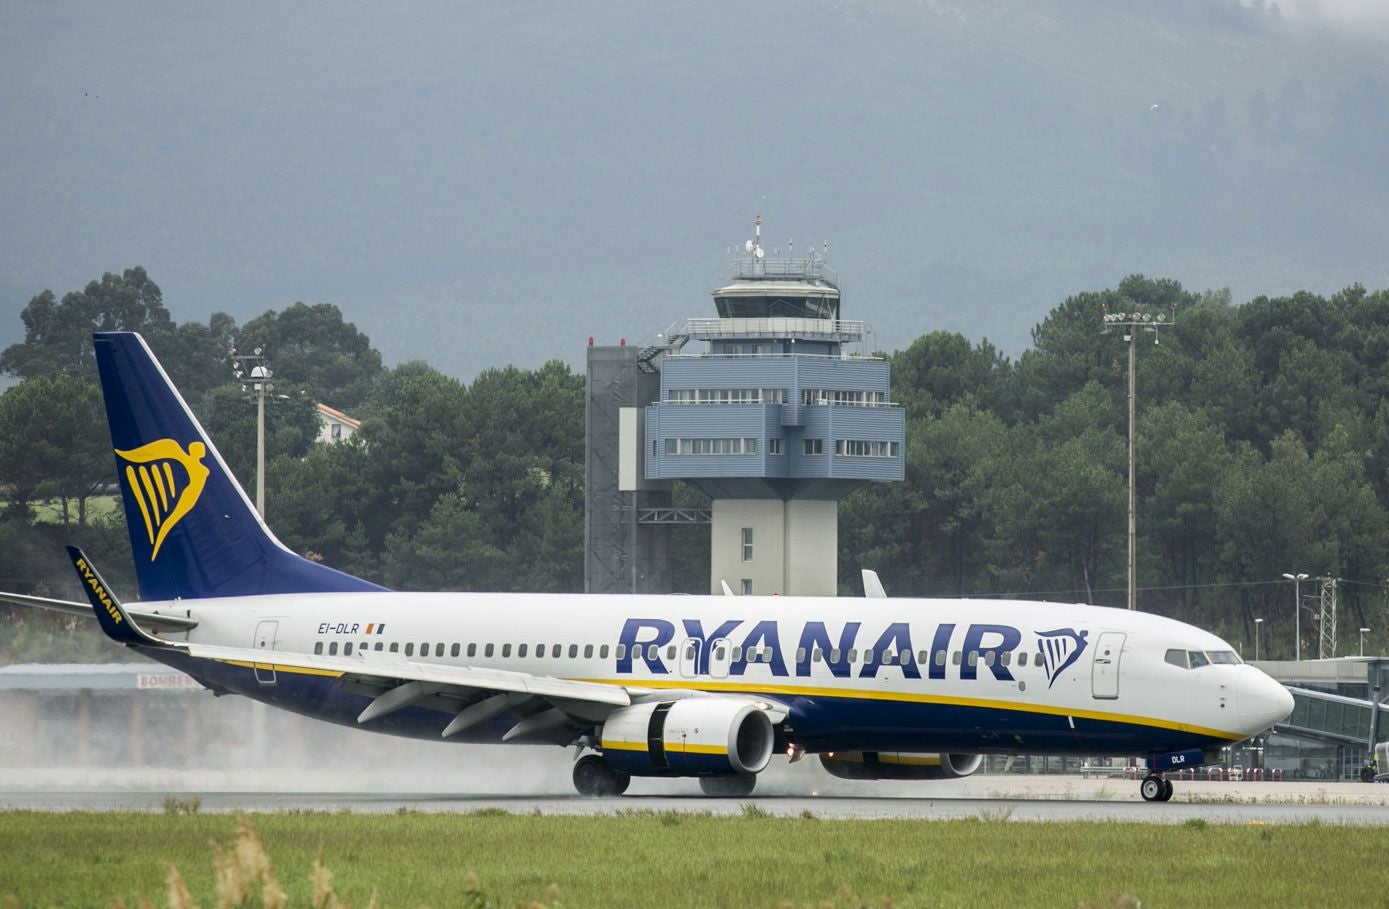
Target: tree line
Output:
[(1262, 428)]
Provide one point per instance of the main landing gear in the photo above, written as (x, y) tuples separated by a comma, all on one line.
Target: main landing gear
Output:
[(1155, 788), (595, 779)]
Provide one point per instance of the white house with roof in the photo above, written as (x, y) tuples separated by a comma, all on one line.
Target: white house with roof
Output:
[(334, 425)]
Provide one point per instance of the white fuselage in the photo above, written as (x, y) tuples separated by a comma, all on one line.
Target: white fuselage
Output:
[(901, 674)]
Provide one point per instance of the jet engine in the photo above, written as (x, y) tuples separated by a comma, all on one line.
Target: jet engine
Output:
[(893, 765), (688, 737)]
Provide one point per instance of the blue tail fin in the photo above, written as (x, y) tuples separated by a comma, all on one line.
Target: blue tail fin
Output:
[(192, 529)]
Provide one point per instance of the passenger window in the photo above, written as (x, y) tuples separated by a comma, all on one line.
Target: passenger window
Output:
[(766, 654), (817, 655), (719, 651), (621, 651), (737, 653), (652, 652), (1197, 658), (395, 646), (573, 651), (378, 647), (487, 651), (1176, 658), (506, 650), (410, 649), (670, 652), (922, 657), (1037, 658), (868, 658), (603, 652), (555, 651), (347, 649), (588, 651), (940, 657), (1006, 658), (974, 658), (521, 650), (424, 650), (453, 651), (957, 657), (989, 658), (318, 648), (472, 649), (835, 655), (800, 654), (853, 656), (1022, 658), (905, 657)]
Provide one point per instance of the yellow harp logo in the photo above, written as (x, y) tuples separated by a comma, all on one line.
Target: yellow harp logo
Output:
[(164, 495)]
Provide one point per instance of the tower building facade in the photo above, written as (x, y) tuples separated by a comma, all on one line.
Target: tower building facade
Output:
[(775, 419)]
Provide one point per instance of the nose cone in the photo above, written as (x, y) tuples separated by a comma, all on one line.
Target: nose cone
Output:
[(1262, 702)]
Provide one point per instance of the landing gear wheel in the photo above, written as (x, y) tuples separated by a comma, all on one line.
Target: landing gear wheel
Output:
[(728, 787), (595, 779), (1166, 791), (1152, 788)]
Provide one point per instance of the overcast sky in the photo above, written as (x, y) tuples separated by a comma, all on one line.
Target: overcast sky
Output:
[(479, 184)]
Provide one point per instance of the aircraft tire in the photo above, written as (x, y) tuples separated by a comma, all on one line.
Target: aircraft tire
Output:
[(1152, 788), (733, 786), (1167, 790), (594, 779)]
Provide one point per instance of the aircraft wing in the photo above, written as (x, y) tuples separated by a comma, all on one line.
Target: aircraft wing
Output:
[(154, 621), (551, 709)]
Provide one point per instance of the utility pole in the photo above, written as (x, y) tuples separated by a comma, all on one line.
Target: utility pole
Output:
[(1132, 323), (258, 381)]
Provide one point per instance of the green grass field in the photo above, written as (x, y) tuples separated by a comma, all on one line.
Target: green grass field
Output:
[(667, 859)]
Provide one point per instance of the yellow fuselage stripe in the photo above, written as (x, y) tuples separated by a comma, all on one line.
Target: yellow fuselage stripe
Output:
[(914, 698)]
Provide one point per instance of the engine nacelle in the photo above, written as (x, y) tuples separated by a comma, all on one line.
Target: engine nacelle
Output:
[(688, 737), (893, 765)]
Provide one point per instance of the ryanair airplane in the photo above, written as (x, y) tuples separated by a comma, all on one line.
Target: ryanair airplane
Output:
[(707, 687)]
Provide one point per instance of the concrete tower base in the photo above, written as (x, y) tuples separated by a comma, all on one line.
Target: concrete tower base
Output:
[(767, 546)]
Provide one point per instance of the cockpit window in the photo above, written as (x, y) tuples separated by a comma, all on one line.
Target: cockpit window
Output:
[(1222, 656), (1177, 658), (1197, 658)]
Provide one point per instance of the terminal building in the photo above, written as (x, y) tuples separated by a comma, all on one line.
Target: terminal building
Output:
[(770, 407)]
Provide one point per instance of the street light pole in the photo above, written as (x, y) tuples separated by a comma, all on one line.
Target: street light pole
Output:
[(1133, 322), (1258, 627), (1362, 640), (259, 382), (1297, 580)]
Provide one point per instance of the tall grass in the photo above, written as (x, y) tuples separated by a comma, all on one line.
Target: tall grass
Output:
[(667, 859)]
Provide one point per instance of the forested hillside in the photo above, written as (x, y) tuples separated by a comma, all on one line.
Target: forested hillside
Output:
[(1263, 448)]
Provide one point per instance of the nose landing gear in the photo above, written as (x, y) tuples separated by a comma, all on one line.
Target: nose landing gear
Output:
[(1155, 788)]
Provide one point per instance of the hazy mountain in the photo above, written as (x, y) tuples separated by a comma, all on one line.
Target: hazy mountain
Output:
[(484, 184)]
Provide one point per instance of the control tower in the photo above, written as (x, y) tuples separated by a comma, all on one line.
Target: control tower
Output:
[(775, 420)]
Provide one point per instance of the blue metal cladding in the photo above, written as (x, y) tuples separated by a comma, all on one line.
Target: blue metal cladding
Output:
[(791, 422)]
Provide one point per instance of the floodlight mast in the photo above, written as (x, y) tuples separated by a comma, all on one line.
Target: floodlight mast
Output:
[(1132, 322), (1297, 580)]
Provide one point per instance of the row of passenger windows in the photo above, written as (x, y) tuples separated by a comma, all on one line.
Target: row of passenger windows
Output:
[(653, 652), (1195, 659)]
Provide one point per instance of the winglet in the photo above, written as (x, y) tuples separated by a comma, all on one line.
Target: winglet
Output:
[(115, 621), (872, 586)]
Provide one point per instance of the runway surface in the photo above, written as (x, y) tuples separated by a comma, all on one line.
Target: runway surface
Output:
[(988, 798)]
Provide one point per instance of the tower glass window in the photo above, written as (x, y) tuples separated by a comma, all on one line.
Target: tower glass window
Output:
[(747, 544)]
